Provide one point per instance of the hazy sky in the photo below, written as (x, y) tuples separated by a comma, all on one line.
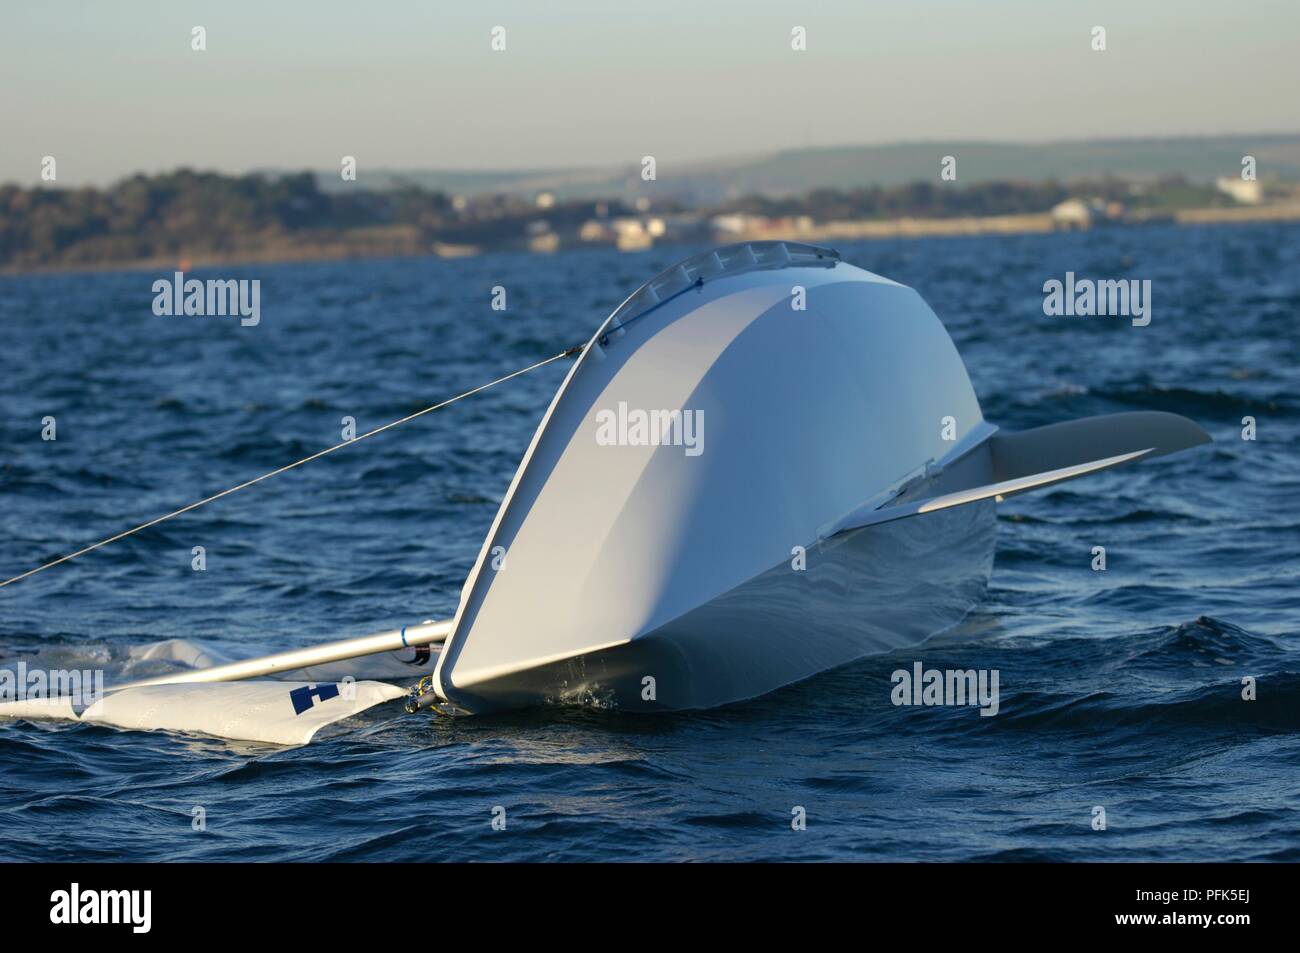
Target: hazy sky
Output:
[(114, 88)]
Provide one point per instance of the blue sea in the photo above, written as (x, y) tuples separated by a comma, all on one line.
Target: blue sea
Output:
[(1120, 690)]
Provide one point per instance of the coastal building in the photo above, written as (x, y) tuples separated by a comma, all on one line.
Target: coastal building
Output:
[(1085, 213), (1244, 191), (541, 237), (596, 230), (631, 234), (637, 232), (739, 226), (1072, 213)]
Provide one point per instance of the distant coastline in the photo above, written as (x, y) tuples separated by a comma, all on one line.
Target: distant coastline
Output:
[(185, 219), (828, 234)]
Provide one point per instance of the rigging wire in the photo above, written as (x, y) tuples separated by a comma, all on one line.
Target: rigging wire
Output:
[(569, 352)]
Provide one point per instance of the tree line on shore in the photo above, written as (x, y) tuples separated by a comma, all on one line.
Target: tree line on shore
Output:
[(188, 214)]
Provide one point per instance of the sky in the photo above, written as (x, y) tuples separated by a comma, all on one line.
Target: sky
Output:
[(110, 89)]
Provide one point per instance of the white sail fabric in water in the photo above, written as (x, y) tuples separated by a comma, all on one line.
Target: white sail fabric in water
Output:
[(288, 710), (274, 712)]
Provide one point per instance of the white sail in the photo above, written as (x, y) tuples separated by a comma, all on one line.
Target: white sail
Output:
[(285, 698), (273, 712)]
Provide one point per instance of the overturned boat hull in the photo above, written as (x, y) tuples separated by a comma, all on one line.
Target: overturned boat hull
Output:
[(766, 463), (789, 390)]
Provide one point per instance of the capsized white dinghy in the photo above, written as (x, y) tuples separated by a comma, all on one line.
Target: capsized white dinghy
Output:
[(764, 464)]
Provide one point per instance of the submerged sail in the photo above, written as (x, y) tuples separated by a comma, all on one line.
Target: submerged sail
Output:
[(288, 710)]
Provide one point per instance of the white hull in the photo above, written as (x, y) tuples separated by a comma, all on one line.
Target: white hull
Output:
[(875, 590), (837, 419), (820, 388)]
